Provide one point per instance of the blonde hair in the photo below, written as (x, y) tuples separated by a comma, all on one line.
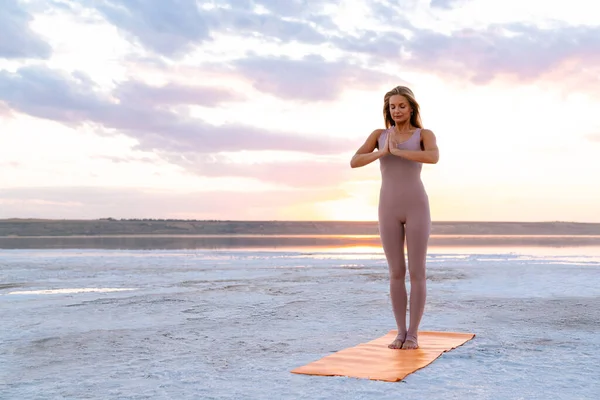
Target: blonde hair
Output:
[(415, 118)]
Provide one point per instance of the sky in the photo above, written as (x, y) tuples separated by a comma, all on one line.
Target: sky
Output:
[(252, 109)]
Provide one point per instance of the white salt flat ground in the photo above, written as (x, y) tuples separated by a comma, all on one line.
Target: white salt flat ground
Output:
[(231, 324)]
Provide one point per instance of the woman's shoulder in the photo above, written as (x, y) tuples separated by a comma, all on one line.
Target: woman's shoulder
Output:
[(377, 132), (425, 131)]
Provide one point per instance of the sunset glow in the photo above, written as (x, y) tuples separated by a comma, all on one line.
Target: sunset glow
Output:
[(252, 110)]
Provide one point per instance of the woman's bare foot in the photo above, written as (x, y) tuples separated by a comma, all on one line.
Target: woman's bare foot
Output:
[(410, 342), (398, 342)]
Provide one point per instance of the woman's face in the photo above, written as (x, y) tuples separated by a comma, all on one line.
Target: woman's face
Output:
[(399, 109)]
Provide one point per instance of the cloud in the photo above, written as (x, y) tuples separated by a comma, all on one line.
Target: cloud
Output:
[(289, 8), (166, 27), (125, 160), (90, 202), (394, 12), (446, 4), (173, 27), (309, 173), (135, 92), (383, 46), (4, 109), (523, 52), (180, 140), (594, 137), (10, 164), (513, 50), (17, 40), (270, 27), (50, 6), (45, 93), (310, 78)]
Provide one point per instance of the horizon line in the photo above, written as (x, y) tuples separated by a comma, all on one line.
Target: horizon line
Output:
[(283, 220)]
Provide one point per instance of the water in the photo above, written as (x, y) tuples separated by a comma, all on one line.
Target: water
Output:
[(231, 321)]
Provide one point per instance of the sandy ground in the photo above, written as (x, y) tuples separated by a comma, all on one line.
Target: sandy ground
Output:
[(202, 324)]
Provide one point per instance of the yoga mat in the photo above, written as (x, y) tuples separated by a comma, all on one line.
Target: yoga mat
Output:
[(373, 360)]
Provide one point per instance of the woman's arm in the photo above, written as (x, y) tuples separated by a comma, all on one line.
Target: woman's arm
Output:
[(430, 154), (365, 154)]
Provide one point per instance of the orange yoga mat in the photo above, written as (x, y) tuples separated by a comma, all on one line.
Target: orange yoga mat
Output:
[(373, 360)]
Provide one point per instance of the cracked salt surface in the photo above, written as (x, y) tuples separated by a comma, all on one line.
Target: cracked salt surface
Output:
[(204, 324)]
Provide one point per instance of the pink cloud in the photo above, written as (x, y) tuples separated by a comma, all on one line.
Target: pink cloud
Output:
[(311, 78), (72, 100), (4, 109), (135, 92), (309, 173), (594, 137), (91, 202), (179, 139)]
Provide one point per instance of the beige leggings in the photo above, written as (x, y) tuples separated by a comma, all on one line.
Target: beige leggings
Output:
[(410, 222)]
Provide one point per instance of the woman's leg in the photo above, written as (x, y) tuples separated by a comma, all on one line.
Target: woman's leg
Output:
[(418, 228), (392, 238)]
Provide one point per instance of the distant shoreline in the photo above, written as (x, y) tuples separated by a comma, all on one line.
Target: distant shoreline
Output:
[(20, 227)]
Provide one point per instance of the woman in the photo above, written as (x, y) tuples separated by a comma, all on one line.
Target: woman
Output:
[(403, 203)]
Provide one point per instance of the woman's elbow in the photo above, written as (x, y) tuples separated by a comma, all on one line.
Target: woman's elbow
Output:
[(435, 157)]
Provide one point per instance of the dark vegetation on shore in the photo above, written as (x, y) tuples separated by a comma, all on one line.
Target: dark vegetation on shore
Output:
[(112, 226)]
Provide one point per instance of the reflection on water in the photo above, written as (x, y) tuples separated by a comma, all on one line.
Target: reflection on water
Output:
[(358, 243), (186, 242)]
